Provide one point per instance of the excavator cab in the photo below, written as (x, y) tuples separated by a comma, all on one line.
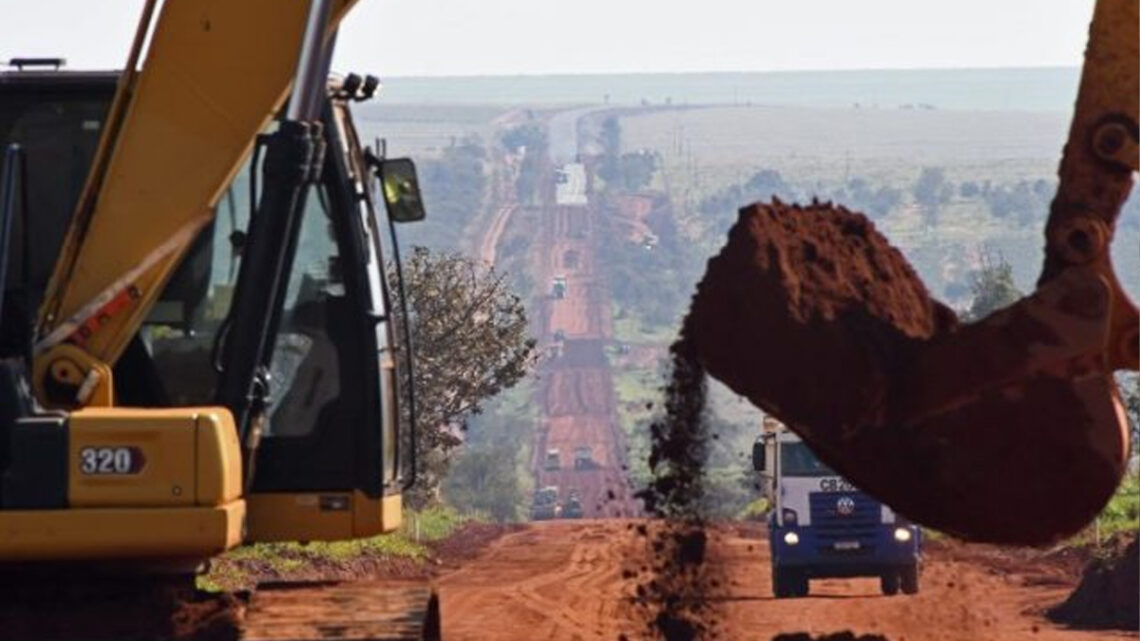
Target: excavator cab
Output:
[(327, 465), (328, 462)]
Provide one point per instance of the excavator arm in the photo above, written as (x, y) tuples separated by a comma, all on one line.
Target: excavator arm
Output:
[(1008, 429), (214, 75)]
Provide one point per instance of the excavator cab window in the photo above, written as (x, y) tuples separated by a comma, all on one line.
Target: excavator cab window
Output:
[(56, 117)]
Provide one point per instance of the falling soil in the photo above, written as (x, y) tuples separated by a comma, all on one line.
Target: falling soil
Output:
[(1108, 595), (813, 316), (675, 588)]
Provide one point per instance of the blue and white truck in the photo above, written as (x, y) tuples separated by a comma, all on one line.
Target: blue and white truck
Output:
[(821, 526)]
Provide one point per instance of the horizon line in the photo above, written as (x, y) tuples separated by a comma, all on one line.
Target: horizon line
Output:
[(568, 74)]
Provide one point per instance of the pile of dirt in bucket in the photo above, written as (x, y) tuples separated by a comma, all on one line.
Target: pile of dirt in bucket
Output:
[(811, 314), (1108, 595)]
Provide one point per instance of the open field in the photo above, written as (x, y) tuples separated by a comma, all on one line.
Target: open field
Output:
[(704, 150)]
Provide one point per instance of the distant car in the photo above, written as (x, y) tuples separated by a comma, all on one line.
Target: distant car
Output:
[(573, 508), (583, 460), (559, 335), (553, 460), (546, 505), (558, 287)]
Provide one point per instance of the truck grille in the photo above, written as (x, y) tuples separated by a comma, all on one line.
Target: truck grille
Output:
[(837, 530)]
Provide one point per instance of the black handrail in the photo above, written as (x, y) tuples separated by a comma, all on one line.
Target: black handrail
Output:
[(9, 184), (409, 359)]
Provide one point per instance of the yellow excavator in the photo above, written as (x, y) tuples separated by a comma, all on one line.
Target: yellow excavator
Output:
[(212, 362)]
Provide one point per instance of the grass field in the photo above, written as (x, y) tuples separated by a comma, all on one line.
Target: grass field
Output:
[(419, 130), (706, 149)]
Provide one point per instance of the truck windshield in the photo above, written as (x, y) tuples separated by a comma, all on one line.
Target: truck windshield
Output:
[(797, 460)]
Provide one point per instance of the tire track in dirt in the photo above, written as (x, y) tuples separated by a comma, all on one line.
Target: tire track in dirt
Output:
[(568, 572)]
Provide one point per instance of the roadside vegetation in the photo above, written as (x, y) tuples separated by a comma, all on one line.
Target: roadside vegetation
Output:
[(454, 185), (471, 341), (244, 567)]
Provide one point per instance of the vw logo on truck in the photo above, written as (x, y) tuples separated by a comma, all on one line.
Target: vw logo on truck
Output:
[(845, 506)]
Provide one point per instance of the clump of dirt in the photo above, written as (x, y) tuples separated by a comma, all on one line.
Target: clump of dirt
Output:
[(846, 635), (813, 316), (676, 586), (1108, 595)]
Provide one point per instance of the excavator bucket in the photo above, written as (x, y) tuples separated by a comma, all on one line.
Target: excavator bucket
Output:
[(1009, 429)]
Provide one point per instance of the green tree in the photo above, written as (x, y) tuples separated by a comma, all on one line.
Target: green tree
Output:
[(992, 287), (483, 478), (470, 340), (454, 186), (930, 193), (610, 167), (636, 170), (531, 135)]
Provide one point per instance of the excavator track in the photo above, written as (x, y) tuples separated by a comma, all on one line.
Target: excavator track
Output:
[(359, 610)]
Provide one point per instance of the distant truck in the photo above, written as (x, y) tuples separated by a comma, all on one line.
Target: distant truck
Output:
[(546, 505), (583, 459), (558, 287), (553, 460), (821, 526), (573, 509)]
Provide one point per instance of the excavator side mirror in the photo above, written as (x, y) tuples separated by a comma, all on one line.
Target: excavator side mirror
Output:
[(401, 190), (758, 458)]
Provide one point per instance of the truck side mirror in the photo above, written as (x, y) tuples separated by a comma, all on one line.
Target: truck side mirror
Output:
[(759, 461), (401, 190)]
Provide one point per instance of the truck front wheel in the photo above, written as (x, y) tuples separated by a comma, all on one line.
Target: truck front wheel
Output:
[(908, 577), (889, 582), (787, 583)]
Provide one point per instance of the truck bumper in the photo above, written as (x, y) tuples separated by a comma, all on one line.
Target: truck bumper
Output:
[(836, 558)]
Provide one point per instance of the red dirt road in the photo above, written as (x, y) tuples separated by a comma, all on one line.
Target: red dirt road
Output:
[(564, 580), (576, 396)]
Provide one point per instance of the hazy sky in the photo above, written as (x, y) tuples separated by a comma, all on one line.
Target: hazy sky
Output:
[(472, 37)]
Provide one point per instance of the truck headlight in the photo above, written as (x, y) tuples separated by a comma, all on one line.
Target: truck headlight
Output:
[(902, 534), (791, 538), (789, 516)]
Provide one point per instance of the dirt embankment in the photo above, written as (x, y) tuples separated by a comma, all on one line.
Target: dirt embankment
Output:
[(1108, 595), (49, 607), (95, 608)]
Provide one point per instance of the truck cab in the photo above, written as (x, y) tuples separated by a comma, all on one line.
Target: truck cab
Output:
[(821, 526), (546, 505), (558, 287), (553, 460)]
